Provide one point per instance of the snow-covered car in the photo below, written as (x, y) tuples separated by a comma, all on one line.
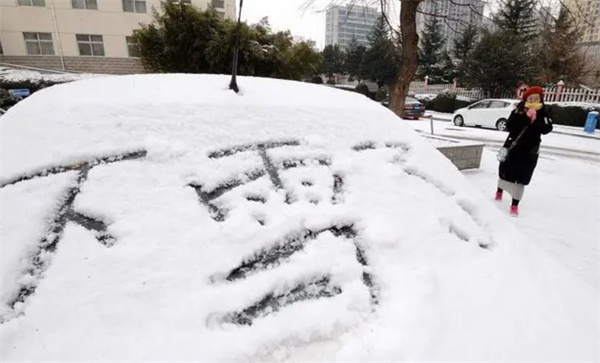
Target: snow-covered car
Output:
[(491, 113), (289, 222)]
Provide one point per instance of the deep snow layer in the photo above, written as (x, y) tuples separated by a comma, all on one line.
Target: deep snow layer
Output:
[(293, 221)]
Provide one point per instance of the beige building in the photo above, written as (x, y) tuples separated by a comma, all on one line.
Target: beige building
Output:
[(80, 35), (587, 13)]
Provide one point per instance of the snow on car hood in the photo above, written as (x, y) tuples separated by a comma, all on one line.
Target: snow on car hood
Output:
[(165, 218)]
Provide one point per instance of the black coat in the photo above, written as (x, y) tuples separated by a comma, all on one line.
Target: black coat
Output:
[(523, 158)]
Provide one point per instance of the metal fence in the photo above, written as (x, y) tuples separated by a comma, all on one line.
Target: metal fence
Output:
[(556, 94)]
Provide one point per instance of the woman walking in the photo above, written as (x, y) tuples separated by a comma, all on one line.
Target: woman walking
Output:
[(526, 124)]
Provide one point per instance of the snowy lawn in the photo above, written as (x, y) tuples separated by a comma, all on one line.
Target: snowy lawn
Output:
[(290, 222)]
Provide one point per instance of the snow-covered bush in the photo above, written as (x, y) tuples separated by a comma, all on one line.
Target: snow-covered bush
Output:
[(445, 102), (572, 114)]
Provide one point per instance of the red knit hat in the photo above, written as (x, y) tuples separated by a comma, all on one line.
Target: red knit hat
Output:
[(533, 90)]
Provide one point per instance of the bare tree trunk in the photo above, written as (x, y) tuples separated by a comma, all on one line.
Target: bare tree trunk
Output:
[(410, 44)]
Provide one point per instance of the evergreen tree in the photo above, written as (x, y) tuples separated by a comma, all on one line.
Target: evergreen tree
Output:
[(463, 46), (559, 58), (465, 42), (498, 63), (184, 39), (431, 51), (449, 69), (333, 61), (355, 59), (382, 57), (519, 18)]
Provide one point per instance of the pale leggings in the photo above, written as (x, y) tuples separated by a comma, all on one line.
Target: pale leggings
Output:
[(515, 190)]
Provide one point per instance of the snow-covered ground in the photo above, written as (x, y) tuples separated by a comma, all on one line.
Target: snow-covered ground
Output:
[(290, 222), (561, 208), (564, 141)]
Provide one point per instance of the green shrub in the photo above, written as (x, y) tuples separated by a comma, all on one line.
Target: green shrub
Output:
[(362, 89), (458, 104), (316, 80), (381, 95), (571, 115), (428, 104), (444, 102)]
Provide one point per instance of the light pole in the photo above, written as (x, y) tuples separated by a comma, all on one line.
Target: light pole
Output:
[(233, 85)]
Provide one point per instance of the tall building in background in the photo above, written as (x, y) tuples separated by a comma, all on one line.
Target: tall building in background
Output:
[(346, 22), (81, 35), (454, 16), (587, 14)]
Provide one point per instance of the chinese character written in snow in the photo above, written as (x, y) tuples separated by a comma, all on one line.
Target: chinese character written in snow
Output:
[(269, 169)]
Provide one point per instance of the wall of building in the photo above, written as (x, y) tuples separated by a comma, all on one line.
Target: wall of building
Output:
[(63, 22), (457, 13), (346, 22), (587, 14), (103, 65)]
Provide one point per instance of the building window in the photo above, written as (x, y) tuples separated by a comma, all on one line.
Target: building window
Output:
[(134, 6), (90, 45), (218, 4), (84, 4), (41, 3), (39, 43), (133, 48)]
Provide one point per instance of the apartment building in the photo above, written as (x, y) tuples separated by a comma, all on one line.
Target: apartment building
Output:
[(587, 14), (81, 35), (346, 22), (454, 15)]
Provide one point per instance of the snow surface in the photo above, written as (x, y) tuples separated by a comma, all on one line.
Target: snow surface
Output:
[(559, 142), (560, 210), (432, 270), (22, 227)]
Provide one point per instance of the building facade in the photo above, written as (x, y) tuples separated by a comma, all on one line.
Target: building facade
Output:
[(454, 16), (346, 22), (587, 14), (80, 35)]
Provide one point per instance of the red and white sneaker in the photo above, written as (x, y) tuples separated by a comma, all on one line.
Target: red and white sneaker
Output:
[(498, 196), (514, 210)]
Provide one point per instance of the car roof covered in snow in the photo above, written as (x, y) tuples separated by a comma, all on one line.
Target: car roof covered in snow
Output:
[(166, 218)]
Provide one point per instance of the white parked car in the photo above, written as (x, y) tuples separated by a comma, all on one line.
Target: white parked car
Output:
[(289, 222), (491, 113)]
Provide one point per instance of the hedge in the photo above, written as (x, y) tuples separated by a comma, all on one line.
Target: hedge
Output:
[(446, 102), (572, 115)]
